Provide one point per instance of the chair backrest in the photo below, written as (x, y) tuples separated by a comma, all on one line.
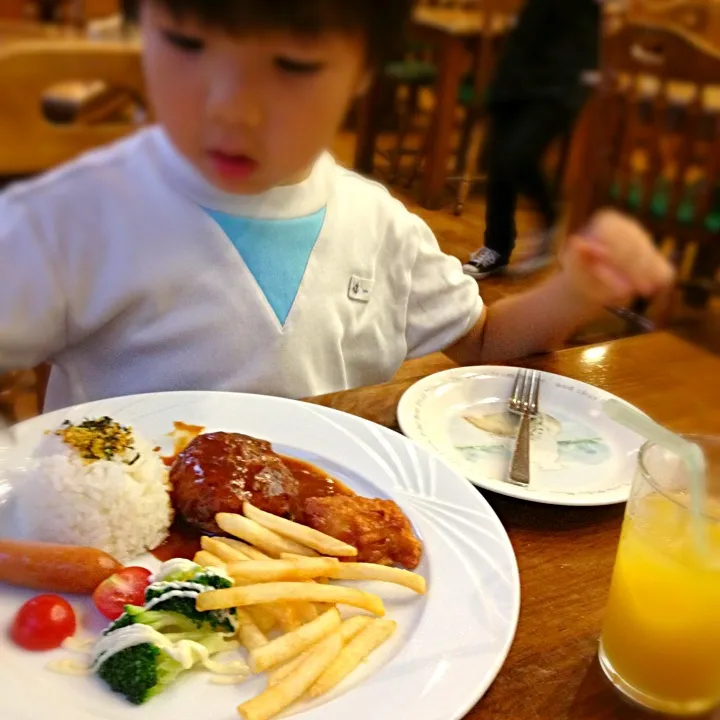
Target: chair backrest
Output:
[(30, 143), (697, 17), (461, 4), (653, 147), (656, 139)]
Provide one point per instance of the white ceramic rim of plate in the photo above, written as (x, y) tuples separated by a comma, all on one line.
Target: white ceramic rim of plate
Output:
[(409, 425), (437, 673)]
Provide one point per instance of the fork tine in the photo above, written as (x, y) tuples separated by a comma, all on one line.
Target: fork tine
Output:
[(534, 393), (527, 388), (518, 390)]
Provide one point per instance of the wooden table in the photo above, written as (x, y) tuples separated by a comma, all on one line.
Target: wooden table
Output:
[(566, 555), (23, 30), (449, 32)]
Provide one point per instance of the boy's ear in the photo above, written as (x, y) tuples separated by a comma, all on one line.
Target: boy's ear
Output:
[(364, 84)]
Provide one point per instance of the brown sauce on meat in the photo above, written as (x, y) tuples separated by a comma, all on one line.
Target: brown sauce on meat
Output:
[(182, 435), (312, 481), (209, 476), (220, 471), (183, 541)]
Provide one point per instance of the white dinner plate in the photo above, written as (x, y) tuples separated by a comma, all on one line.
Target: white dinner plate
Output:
[(578, 455), (450, 643)]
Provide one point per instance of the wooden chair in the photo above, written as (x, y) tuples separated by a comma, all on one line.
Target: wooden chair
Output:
[(93, 9), (22, 393), (29, 143), (695, 17), (655, 152), (498, 17), (454, 4)]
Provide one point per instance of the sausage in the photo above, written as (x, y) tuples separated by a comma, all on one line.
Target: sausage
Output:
[(59, 568)]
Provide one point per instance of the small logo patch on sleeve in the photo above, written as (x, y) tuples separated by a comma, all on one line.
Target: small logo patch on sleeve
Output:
[(360, 289)]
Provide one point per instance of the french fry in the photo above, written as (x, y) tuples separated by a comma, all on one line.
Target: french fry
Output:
[(348, 630), (283, 671), (352, 626), (248, 550), (207, 559), (289, 592), (268, 541), (307, 612), (221, 550), (248, 632), (275, 570), (287, 615), (293, 556), (263, 616), (382, 573), (300, 534), (374, 635), (275, 699), (300, 567), (268, 616), (288, 646)]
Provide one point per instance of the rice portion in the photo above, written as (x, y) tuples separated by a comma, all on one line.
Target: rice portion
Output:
[(120, 505)]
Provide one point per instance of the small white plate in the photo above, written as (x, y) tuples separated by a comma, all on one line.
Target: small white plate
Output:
[(450, 643), (578, 455)]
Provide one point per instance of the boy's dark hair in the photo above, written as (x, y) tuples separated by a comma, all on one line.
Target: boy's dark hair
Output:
[(382, 22)]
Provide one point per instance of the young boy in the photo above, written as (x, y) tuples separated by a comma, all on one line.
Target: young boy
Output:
[(224, 249)]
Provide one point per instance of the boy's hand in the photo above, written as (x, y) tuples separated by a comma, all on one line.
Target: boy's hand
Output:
[(614, 260)]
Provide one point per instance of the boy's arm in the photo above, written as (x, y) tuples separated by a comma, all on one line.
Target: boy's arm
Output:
[(613, 261), (32, 304), (538, 320)]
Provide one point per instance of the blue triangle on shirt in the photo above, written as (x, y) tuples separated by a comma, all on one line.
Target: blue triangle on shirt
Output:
[(275, 251)]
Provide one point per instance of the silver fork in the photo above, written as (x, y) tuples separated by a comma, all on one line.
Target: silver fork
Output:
[(523, 402)]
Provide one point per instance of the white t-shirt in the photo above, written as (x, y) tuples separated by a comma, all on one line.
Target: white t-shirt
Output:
[(131, 274)]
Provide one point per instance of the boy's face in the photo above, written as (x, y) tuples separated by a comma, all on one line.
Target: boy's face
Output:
[(249, 112)]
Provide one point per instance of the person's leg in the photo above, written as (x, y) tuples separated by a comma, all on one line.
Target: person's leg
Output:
[(535, 186), (500, 197), (502, 181), (542, 122)]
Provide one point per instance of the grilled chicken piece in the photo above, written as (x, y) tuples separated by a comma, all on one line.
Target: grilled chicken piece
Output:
[(377, 528)]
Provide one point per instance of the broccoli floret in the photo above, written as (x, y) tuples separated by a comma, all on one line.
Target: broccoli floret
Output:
[(216, 620), (160, 620), (212, 579), (139, 672)]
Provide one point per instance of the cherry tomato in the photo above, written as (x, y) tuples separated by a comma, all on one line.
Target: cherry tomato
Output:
[(43, 623), (126, 587)]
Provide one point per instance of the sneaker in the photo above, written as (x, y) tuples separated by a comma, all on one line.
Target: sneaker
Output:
[(483, 263)]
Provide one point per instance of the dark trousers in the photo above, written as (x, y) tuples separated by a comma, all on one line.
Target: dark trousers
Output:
[(520, 134)]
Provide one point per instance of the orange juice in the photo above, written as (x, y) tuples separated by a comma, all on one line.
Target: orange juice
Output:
[(661, 637)]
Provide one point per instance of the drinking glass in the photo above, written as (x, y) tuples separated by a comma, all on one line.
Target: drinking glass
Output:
[(660, 643)]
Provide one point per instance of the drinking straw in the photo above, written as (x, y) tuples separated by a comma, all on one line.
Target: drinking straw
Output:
[(690, 453)]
